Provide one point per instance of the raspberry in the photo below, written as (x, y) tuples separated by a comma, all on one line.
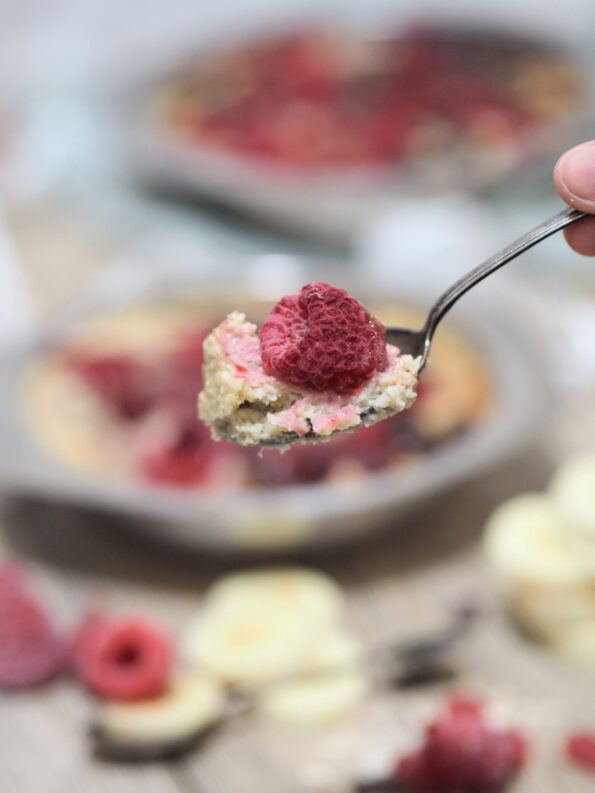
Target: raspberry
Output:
[(12, 579), (126, 385), (463, 753), (174, 448), (178, 450), (31, 652), (122, 659), (580, 749), (322, 339), (178, 467), (92, 622)]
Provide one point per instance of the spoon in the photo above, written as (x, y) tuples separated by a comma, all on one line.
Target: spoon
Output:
[(419, 342)]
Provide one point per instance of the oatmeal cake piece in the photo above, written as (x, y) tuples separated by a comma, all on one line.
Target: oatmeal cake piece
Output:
[(319, 365)]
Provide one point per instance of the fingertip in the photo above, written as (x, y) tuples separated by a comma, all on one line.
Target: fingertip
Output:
[(574, 177), (581, 236)]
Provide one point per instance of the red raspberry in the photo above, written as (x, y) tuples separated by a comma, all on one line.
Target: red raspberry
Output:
[(123, 659), (12, 579), (176, 467), (322, 339), (463, 753), (92, 622), (31, 652), (580, 749), (127, 386), (178, 450)]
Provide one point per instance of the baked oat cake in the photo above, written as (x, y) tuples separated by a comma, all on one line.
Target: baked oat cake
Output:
[(319, 365)]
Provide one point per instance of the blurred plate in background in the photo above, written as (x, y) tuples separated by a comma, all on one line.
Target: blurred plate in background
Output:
[(320, 129)]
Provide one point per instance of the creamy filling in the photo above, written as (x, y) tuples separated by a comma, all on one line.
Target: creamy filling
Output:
[(241, 349)]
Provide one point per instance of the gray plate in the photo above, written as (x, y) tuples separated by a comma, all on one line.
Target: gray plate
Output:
[(290, 517), (332, 203)]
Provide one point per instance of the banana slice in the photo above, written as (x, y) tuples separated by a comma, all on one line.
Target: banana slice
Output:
[(323, 695), (549, 612), (336, 648), (527, 543), (296, 593), (259, 625), (578, 643), (160, 727), (246, 648), (573, 491)]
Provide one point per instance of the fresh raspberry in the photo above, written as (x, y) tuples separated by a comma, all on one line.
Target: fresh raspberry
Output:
[(468, 708), (580, 749), (93, 621), (462, 752), (173, 447), (178, 467), (31, 652), (176, 449), (123, 659), (322, 339), (12, 579), (127, 386)]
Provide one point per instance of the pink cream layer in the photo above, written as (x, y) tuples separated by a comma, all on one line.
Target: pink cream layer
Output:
[(242, 351)]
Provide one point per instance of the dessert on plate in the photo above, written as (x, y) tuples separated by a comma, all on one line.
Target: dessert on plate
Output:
[(333, 99), (319, 365), (115, 397)]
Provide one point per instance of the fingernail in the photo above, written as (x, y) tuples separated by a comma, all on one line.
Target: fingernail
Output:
[(577, 171)]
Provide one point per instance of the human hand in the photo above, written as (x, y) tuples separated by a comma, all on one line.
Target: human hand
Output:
[(574, 177)]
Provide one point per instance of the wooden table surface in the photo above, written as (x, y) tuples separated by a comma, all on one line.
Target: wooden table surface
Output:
[(397, 584)]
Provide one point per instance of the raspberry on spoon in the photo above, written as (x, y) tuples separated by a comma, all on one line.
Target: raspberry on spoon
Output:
[(319, 365), (322, 339)]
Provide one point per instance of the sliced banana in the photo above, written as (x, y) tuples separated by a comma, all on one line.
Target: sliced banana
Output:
[(573, 491), (294, 592), (578, 643), (259, 625), (548, 612), (336, 648), (323, 695), (246, 647), (193, 702), (527, 543)]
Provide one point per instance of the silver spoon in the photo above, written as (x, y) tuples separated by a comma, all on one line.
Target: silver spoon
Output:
[(418, 342)]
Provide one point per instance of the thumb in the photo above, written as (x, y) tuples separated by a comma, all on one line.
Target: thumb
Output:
[(574, 177)]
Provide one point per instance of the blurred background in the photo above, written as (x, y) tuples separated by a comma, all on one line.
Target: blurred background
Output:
[(164, 163)]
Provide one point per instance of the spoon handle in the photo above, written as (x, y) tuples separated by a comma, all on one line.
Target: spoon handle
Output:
[(447, 300)]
